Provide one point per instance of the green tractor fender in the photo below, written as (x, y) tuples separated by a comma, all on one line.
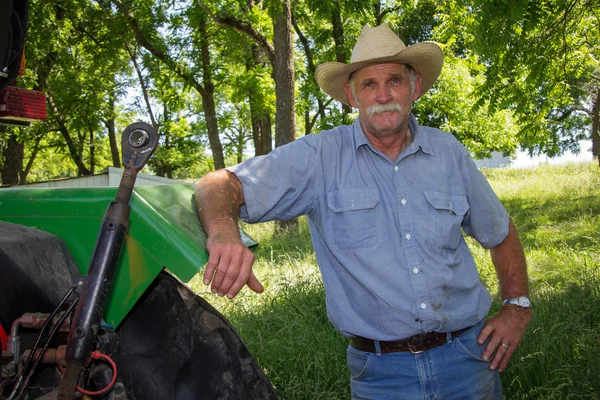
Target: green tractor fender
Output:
[(164, 232)]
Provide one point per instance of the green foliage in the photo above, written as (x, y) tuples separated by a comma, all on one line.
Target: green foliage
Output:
[(451, 106), (517, 73), (543, 64), (557, 216)]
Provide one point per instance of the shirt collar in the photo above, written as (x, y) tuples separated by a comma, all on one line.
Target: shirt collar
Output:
[(419, 139)]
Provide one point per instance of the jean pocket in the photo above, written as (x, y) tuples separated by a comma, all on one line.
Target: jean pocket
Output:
[(353, 222), (358, 362), (467, 343), (446, 216)]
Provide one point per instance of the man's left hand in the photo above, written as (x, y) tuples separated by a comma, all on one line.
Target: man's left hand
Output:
[(507, 329)]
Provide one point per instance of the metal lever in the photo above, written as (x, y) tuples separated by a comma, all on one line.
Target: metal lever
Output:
[(139, 141)]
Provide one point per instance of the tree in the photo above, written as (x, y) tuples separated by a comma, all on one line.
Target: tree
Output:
[(543, 64), (280, 54), (147, 35), (451, 106)]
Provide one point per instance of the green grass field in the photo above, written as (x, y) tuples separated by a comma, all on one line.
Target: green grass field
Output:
[(557, 212)]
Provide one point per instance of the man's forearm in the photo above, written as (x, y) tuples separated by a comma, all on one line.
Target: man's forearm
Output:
[(218, 199), (509, 261), (506, 329)]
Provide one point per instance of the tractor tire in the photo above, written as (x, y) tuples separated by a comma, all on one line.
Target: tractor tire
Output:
[(171, 345)]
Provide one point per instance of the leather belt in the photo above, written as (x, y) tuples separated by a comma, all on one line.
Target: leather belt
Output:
[(415, 344)]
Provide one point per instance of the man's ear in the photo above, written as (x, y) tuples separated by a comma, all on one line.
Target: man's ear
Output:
[(349, 95), (417, 92)]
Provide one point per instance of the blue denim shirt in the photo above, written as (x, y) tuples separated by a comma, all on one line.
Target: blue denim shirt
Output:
[(387, 235)]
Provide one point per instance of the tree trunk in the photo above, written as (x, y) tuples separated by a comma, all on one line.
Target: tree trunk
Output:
[(36, 148), (285, 122), (596, 127), (64, 131), (13, 155), (261, 120), (92, 152), (168, 168), (112, 135), (308, 121), (340, 51), (208, 102)]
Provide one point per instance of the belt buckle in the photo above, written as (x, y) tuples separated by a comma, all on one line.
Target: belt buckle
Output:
[(410, 348)]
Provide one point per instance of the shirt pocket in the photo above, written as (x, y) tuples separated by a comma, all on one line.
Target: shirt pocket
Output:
[(353, 220), (446, 216)]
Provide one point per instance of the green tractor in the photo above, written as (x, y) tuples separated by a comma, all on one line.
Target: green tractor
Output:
[(92, 299), (70, 298)]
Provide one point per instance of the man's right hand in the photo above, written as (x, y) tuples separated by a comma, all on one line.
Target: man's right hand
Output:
[(219, 196), (229, 265)]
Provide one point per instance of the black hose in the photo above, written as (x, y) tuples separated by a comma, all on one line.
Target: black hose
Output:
[(39, 340), (40, 355)]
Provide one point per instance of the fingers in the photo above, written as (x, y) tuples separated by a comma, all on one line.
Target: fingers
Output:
[(211, 265), (227, 271), (233, 282), (492, 345), (254, 284), (502, 357), (229, 268), (504, 331), (500, 350), (484, 334)]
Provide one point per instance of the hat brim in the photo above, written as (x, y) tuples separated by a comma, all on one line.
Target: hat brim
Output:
[(426, 58)]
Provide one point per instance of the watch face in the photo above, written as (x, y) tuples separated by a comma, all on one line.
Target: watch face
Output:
[(523, 302), (519, 301)]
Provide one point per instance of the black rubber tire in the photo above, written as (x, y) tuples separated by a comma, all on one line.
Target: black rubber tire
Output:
[(172, 344)]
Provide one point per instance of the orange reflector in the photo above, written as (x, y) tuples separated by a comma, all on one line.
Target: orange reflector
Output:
[(22, 64)]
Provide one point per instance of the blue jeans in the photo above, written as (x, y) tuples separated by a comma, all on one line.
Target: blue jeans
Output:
[(454, 370)]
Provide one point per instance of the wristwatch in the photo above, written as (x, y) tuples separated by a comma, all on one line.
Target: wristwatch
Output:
[(521, 301)]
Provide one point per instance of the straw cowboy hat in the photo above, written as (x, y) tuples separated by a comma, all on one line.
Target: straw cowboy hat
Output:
[(376, 46)]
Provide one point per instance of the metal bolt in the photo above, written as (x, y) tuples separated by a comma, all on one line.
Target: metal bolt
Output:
[(138, 138), (79, 333)]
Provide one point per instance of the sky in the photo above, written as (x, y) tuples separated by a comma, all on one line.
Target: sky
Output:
[(524, 161)]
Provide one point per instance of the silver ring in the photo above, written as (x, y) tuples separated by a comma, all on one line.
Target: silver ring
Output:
[(505, 345)]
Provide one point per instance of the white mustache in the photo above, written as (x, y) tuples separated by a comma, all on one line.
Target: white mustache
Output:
[(381, 108)]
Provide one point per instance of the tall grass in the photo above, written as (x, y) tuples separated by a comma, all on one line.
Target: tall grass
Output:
[(557, 212)]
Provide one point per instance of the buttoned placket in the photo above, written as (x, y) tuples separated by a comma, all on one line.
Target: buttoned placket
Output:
[(414, 263)]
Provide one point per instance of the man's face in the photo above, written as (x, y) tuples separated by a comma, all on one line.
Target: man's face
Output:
[(383, 95)]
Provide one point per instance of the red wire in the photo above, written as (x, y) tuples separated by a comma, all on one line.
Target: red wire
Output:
[(96, 354)]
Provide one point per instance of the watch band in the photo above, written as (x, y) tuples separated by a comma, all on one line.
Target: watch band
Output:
[(520, 301)]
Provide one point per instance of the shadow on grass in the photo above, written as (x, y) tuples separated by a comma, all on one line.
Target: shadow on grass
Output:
[(304, 356), (559, 357), (529, 215), (294, 245), (292, 339)]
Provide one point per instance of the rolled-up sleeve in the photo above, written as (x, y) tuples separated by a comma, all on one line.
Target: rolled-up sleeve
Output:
[(487, 220), (279, 185)]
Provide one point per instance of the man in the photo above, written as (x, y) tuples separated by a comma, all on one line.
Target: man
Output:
[(386, 200)]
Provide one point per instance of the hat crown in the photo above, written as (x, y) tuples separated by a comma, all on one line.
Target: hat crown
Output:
[(376, 42)]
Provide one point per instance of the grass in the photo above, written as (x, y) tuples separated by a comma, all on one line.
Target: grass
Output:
[(557, 212)]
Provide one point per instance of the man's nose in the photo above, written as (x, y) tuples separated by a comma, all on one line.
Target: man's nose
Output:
[(383, 94)]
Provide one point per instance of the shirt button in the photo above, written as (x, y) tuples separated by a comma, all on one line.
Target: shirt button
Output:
[(423, 306), (396, 168), (407, 236), (416, 270), (403, 201)]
